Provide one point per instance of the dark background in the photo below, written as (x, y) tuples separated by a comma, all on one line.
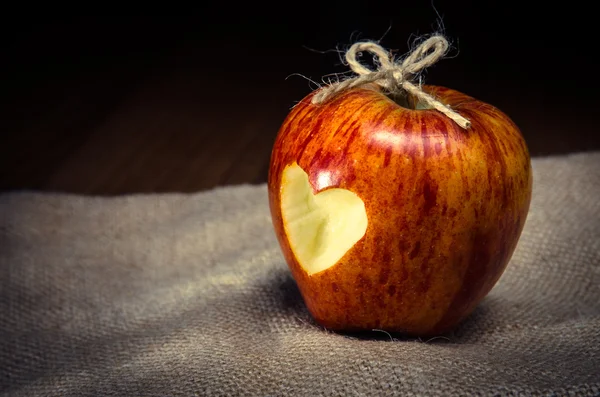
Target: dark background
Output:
[(114, 105)]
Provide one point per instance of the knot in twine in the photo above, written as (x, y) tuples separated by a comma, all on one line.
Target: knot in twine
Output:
[(394, 76)]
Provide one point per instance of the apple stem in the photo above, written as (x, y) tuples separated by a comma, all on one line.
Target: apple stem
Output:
[(395, 75)]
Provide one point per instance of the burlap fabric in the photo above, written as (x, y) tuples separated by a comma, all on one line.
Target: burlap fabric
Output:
[(181, 295)]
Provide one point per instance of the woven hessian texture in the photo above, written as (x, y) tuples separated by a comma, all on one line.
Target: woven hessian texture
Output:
[(180, 295)]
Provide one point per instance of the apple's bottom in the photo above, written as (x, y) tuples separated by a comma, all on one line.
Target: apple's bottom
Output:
[(351, 323)]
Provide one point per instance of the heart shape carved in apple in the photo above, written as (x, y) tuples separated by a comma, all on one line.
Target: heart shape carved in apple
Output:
[(320, 227)]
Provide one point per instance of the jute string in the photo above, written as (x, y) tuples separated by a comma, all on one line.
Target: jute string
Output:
[(394, 76)]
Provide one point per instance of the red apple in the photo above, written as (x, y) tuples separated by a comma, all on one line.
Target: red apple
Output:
[(393, 217)]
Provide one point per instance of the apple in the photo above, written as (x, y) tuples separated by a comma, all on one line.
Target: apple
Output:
[(391, 216)]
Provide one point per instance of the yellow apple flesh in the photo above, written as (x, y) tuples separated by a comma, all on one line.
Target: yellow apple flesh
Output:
[(396, 218), (321, 228)]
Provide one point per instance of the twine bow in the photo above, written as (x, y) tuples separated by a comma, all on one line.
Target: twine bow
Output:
[(394, 76)]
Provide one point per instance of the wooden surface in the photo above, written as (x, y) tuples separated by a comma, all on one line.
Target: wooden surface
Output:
[(161, 106)]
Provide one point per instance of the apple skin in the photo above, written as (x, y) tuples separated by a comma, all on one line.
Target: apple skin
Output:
[(446, 206)]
